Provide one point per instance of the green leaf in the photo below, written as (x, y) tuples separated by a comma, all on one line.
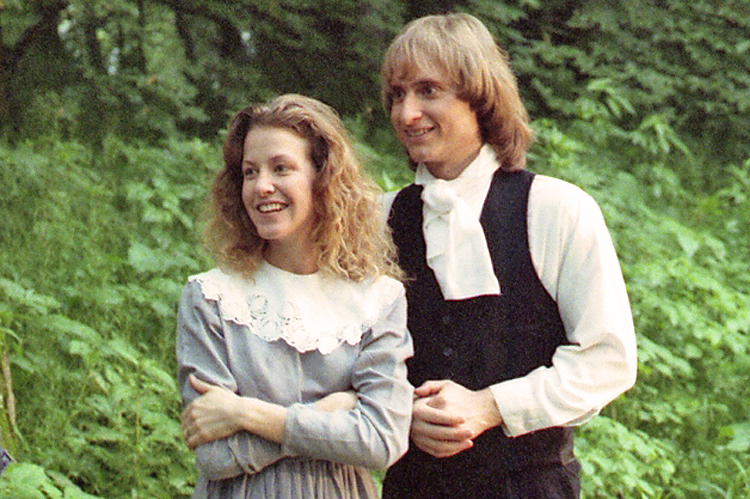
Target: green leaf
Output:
[(79, 348), (28, 297), (71, 327), (740, 437)]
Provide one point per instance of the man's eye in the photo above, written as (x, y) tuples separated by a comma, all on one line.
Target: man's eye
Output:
[(429, 90)]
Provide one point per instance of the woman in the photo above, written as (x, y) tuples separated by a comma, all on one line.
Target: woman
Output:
[(292, 352)]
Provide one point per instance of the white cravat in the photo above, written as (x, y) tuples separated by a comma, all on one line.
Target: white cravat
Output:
[(456, 247)]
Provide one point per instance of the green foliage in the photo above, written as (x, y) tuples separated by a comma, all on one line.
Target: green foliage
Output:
[(683, 254), (618, 461), (148, 70), (97, 256), (151, 70), (380, 154), (29, 481)]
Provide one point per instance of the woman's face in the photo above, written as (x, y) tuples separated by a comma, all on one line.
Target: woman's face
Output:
[(277, 190)]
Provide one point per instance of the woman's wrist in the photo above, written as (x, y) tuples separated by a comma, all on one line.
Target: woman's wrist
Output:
[(261, 418)]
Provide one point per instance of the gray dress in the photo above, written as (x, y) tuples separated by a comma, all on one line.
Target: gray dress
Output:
[(291, 340)]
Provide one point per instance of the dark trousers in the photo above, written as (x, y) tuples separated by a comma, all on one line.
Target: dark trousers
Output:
[(544, 483), (549, 482)]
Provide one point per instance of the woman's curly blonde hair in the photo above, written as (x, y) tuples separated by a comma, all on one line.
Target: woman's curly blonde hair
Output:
[(352, 240)]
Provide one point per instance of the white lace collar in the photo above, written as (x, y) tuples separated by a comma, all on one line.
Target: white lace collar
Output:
[(308, 312)]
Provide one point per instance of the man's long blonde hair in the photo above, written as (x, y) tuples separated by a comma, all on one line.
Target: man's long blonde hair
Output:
[(464, 50)]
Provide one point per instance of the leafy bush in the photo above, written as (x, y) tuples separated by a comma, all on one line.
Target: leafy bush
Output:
[(683, 254), (97, 254), (29, 481)]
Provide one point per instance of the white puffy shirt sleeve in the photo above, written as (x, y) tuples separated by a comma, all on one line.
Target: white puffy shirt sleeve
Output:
[(575, 259)]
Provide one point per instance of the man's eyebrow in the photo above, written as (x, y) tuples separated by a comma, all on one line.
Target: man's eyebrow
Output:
[(419, 83), (430, 81)]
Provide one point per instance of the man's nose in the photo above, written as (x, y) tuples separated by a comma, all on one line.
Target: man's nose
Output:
[(410, 108)]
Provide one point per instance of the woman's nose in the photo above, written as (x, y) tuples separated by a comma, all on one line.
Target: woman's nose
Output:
[(264, 183)]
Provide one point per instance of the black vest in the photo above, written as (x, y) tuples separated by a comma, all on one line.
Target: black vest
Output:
[(478, 342)]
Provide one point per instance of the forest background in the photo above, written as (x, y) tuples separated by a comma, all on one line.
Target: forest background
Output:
[(111, 114)]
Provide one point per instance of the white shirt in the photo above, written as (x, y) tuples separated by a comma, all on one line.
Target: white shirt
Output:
[(574, 257)]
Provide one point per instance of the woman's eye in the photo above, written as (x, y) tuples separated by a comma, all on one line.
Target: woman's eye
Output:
[(249, 173)]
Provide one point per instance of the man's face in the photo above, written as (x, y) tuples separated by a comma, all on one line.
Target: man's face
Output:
[(436, 127)]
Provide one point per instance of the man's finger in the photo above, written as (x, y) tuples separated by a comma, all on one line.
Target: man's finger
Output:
[(440, 432), (425, 412), (429, 388), (441, 448)]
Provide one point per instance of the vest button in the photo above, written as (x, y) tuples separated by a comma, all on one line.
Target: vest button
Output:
[(446, 319), (447, 351)]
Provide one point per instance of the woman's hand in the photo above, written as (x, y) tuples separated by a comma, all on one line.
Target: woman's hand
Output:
[(212, 416), (219, 413)]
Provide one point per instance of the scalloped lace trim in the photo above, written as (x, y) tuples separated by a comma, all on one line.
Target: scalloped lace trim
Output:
[(307, 312)]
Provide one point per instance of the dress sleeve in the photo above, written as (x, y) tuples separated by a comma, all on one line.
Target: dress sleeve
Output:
[(575, 259), (201, 350), (376, 432)]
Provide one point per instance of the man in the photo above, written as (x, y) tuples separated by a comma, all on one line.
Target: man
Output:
[(517, 305)]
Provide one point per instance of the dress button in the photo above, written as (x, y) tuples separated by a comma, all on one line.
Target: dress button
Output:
[(447, 351), (446, 319)]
